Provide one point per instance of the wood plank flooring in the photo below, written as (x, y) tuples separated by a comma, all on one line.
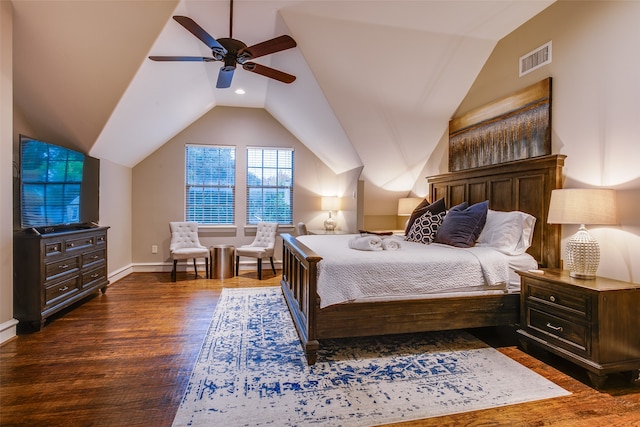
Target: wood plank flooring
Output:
[(124, 359)]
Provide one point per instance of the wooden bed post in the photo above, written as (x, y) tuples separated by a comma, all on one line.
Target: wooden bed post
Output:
[(299, 286)]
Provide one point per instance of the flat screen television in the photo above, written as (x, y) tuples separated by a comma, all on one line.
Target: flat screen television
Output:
[(59, 187)]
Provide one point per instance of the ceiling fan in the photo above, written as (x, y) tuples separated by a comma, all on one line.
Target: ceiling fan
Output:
[(233, 52)]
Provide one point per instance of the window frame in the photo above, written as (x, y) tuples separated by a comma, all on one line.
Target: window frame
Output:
[(202, 219), (275, 172)]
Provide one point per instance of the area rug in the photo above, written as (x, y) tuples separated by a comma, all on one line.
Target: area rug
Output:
[(251, 371)]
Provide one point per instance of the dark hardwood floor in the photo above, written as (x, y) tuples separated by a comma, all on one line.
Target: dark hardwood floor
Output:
[(124, 359)]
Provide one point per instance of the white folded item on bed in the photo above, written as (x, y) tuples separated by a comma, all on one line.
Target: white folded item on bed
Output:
[(347, 275)]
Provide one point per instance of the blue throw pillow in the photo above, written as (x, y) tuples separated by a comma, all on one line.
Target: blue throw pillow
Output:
[(463, 224)]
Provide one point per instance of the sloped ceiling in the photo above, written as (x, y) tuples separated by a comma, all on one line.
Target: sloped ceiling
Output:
[(377, 81)]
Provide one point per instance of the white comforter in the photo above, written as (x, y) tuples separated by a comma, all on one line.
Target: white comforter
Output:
[(346, 274)]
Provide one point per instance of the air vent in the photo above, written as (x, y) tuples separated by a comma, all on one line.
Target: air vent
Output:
[(535, 59)]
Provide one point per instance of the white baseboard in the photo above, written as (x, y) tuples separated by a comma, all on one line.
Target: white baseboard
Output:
[(165, 267), (7, 330)]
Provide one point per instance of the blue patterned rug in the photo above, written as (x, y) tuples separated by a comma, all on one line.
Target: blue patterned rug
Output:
[(251, 371)]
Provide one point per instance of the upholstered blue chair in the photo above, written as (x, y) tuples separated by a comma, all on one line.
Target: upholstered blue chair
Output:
[(186, 245), (262, 247)]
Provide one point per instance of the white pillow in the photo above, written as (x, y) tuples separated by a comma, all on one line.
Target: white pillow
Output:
[(508, 232)]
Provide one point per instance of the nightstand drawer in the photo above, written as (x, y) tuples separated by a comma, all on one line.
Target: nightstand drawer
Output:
[(578, 304), (562, 332)]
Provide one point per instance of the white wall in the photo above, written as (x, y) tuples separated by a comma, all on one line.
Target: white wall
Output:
[(595, 111)]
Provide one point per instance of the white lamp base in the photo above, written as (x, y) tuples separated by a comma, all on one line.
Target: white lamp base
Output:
[(329, 223), (583, 255)]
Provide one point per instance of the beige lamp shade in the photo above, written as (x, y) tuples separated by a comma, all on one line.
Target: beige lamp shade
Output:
[(582, 206), (330, 203), (406, 205)]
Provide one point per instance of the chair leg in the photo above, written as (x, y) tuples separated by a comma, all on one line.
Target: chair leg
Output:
[(259, 268), (273, 267), (206, 266), (173, 272), (237, 264), (195, 269)]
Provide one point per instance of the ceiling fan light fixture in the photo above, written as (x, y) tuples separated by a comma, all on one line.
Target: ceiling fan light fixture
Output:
[(229, 63), (240, 91)]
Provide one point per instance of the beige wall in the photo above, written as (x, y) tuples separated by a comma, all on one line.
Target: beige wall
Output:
[(7, 323), (116, 212), (596, 108), (158, 182)]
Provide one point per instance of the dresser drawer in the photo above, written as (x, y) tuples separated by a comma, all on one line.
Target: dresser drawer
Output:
[(577, 304), (64, 266), (79, 243), (92, 258), (61, 290), (101, 239), (53, 248), (562, 332), (90, 278)]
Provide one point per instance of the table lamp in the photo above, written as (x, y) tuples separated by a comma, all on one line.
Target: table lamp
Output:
[(406, 205), (330, 204), (582, 206)]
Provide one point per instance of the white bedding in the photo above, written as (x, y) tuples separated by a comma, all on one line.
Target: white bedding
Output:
[(416, 269)]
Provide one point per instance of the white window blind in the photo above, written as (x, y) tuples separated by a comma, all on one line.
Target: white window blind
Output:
[(210, 184), (269, 185)]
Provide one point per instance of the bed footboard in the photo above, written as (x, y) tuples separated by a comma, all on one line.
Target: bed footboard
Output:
[(299, 281)]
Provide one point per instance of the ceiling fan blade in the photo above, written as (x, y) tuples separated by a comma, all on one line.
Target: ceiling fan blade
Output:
[(266, 48), (182, 58), (272, 73), (225, 75), (200, 33)]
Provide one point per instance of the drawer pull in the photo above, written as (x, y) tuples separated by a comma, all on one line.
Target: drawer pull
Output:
[(63, 266), (93, 276), (552, 298), (63, 289), (555, 328), (70, 245), (95, 257)]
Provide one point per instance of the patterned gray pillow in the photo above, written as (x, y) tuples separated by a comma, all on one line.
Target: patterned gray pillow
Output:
[(425, 227)]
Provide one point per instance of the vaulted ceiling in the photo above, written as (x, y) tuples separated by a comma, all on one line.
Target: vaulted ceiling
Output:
[(377, 81)]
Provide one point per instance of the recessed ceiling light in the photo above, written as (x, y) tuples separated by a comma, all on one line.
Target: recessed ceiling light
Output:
[(240, 91)]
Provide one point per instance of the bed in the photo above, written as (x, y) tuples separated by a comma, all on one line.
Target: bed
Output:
[(523, 185), (516, 185)]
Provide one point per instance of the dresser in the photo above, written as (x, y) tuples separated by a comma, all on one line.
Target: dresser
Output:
[(54, 270), (593, 323)]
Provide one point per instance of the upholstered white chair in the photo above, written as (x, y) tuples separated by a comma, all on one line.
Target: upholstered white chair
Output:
[(185, 245), (262, 247), (301, 227)]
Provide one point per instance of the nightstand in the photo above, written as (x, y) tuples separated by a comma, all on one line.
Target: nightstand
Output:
[(593, 323)]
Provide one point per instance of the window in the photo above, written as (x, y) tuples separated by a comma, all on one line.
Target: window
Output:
[(270, 185), (210, 184)]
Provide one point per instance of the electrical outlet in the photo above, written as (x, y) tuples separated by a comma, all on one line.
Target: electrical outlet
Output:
[(154, 249)]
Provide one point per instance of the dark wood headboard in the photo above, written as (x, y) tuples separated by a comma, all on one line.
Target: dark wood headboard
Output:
[(523, 185)]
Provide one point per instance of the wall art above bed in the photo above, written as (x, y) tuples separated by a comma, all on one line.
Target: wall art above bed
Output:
[(515, 127)]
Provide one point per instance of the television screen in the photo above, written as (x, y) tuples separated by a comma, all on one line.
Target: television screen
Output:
[(51, 181)]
